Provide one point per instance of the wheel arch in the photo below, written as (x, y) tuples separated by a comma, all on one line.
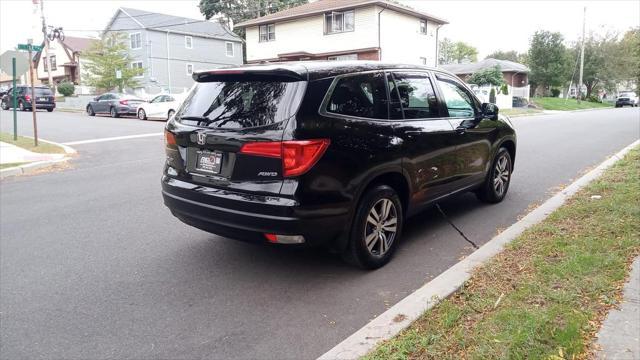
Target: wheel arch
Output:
[(510, 145)]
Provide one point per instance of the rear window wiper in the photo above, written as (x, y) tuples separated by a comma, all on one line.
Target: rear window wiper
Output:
[(199, 119)]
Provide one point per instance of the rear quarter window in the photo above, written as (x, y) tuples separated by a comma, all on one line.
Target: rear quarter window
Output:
[(362, 95)]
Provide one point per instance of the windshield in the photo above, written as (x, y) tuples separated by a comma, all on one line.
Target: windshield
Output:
[(240, 104)]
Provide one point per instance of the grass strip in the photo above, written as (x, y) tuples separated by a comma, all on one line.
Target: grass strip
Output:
[(27, 143), (550, 103), (546, 294)]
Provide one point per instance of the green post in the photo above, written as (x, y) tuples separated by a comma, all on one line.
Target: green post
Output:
[(15, 102)]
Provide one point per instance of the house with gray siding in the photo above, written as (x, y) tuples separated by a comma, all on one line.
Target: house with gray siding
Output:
[(170, 48)]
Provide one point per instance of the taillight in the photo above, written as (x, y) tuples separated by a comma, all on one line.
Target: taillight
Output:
[(124, 102), (28, 98), (169, 138), (298, 156)]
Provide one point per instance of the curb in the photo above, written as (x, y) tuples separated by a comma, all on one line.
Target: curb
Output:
[(79, 111), (386, 325), (32, 167)]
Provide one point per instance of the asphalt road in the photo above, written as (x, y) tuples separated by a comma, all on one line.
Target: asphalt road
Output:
[(93, 266)]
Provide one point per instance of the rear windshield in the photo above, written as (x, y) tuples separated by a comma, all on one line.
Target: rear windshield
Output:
[(240, 104), (43, 92)]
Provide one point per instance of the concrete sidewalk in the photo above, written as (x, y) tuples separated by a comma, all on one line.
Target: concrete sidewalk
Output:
[(10, 154), (619, 337)]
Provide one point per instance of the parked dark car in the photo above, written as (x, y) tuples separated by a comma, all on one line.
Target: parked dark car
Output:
[(627, 98), (114, 104), (332, 154), (44, 98)]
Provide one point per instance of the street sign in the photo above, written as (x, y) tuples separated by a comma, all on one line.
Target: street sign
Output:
[(28, 47), (118, 74)]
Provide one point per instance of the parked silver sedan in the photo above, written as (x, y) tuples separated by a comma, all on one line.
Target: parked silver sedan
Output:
[(114, 104)]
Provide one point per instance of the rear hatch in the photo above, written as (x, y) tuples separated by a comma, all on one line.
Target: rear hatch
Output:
[(43, 95), (230, 127)]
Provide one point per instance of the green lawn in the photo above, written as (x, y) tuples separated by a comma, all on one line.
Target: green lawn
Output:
[(545, 295), (6, 166), (27, 143), (550, 103)]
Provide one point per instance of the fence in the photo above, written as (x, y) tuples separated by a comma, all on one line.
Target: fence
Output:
[(522, 92)]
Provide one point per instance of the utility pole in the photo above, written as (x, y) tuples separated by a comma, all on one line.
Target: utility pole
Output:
[(33, 95), (584, 21), (15, 102), (46, 44)]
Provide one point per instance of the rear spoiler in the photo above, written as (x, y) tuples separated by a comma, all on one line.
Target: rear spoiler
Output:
[(267, 73)]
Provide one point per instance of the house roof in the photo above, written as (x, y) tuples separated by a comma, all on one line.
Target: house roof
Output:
[(77, 43), (322, 6), (176, 24), (470, 68)]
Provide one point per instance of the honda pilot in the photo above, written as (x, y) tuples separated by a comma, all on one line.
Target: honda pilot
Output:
[(334, 154)]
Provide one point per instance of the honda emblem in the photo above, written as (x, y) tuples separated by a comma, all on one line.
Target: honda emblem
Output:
[(202, 138)]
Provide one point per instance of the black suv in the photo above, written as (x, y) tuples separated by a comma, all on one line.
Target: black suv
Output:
[(44, 98), (326, 153)]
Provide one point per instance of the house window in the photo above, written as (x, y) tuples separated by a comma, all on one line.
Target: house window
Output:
[(189, 69), (52, 59), (267, 32), (423, 60), (137, 65), (136, 41), (337, 22), (188, 42), (423, 27), (45, 64), (343, 57), (229, 48)]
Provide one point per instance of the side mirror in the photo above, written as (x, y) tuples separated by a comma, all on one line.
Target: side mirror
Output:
[(96, 98), (490, 111)]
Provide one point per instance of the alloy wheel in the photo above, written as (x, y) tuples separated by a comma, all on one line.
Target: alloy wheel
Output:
[(141, 114), (501, 174), (381, 227)]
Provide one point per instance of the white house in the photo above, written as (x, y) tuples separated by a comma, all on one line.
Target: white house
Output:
[(344, 30), (64, 62)]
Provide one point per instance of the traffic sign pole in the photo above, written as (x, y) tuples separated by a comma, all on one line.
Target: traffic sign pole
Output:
[(15, 102), (33, 101)]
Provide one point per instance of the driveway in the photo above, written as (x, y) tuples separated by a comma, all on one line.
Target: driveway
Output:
[(93, 266)]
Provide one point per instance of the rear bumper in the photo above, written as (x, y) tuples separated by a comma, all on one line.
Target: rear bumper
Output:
[(126, 110), (248, 217), (625, 103)]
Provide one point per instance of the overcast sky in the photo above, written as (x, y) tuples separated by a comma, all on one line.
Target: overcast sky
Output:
[(487, 25)]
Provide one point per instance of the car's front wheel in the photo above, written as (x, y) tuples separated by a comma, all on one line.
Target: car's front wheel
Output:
[(497, 182), (142, 115), (376, 228), (90, 111)]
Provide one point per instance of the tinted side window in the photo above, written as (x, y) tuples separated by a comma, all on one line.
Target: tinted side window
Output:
[(395, 108), (360, 95), (458, 100), (417, 97)]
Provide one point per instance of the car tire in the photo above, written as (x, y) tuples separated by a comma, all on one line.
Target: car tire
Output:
[(495, 187), (4, 105), (21, 106), (90, 111), (50, 110), (113, 112), (170, 114), (142, 115), (371, 242)]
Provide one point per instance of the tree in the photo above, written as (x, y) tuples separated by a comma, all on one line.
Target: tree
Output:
[(599, 52), (456, 52), (511, 55), (628, 57), (241, 10), (548, 60), (491, 76), (105, 58)]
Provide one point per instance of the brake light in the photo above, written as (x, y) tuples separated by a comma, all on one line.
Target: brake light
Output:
[(297, 156), (124, 102), (28, 98), (169, 138)]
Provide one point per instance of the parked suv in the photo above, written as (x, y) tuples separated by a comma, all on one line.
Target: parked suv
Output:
[(114, 104), (44, 98), (333, 154), (627, 98)]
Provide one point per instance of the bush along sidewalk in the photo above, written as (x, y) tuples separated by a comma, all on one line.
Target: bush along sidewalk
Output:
[(546, 294)]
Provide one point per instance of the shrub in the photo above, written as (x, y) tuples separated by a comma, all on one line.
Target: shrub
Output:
[(555, 92), (66, 88), (594, 99), (492, 96), (504, 89)]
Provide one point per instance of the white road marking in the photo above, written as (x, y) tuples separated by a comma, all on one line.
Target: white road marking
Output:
[(116, 138)]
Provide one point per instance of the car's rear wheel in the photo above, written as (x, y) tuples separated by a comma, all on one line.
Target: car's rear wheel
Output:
[(90, 111), (376, 228), (142, 115), (170, 114), (21, 105), (113, 113), (496, 185), (4, 105), (50, 110)]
